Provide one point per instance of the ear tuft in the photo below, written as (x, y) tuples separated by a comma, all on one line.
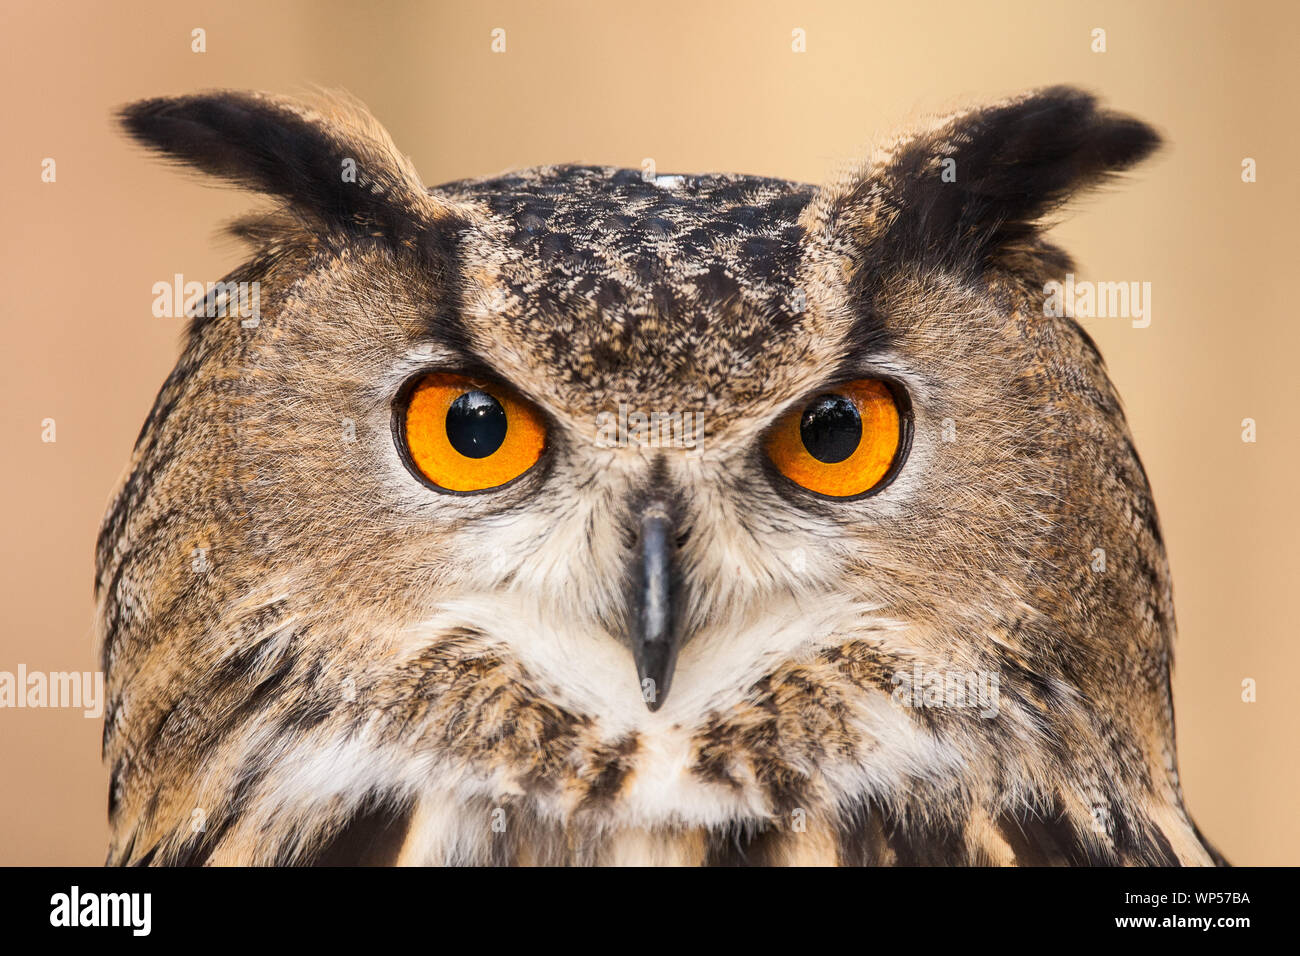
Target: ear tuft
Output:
[(978, 185), (284, 149)]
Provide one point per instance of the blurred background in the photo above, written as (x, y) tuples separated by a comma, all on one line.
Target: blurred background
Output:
[(697, 87)]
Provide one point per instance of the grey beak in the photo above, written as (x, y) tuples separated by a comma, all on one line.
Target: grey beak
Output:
[(655, 616)]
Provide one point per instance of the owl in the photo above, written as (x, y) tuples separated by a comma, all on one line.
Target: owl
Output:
[(582, 515)]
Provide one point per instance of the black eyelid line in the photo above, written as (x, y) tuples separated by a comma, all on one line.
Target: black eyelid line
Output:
[(897, 388), (479, 372)]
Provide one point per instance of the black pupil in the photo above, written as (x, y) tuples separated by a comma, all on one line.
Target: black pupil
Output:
[(476, 424), (831, 428)]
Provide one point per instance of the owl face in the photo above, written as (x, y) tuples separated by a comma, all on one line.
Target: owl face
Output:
[(707, 509), (631, 504)]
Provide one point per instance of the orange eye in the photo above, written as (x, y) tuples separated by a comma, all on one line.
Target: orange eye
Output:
[(843, 443), (465, 434)]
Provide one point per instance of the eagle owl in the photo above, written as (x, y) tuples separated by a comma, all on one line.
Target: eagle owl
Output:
[(585, 516)]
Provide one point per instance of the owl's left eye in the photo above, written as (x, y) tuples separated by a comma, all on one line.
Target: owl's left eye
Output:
[(845, 443), (464, 434)]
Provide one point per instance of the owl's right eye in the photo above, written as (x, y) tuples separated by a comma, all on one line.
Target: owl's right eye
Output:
[(464, 434)]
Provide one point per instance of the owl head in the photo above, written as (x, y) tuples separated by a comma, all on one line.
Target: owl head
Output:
[(641, 514)]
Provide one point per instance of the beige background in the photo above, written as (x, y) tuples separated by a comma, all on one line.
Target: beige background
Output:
[(699, 87)]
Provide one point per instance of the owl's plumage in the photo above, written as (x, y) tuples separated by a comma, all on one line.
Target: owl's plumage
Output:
[(364, 669)]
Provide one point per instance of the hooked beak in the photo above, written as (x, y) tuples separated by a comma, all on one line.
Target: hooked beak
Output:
[(655, 624)]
